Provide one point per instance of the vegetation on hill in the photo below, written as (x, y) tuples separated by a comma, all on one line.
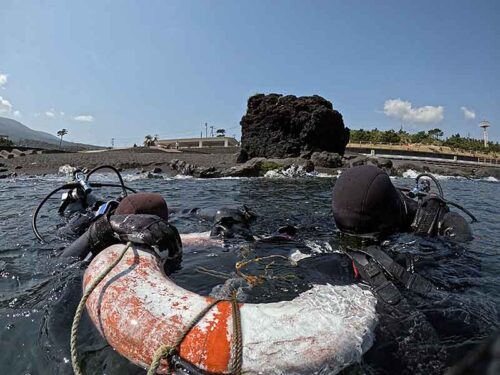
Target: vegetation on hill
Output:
[(430, 137), (21, 135), (6, 142)]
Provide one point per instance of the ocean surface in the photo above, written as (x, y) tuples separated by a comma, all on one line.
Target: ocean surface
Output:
[(39, 291)]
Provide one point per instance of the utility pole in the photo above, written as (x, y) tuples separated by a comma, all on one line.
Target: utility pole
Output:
[(212, 131), (112, 143), (206, 130)]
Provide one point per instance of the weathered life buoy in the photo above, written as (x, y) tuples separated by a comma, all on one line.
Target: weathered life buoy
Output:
[(137, 308)]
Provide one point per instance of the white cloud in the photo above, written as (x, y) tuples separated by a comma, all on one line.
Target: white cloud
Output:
[(84, 118), (469, 114), (61, 113), (5, 106), (17, 113), (3, 79), (50, 113), (403, 110)]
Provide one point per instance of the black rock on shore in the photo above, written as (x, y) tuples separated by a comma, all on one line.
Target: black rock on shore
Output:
[(286, 126)]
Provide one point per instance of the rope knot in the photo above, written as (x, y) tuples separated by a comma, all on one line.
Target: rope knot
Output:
[(165, 352)]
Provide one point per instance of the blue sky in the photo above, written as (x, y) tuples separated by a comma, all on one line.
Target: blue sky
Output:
[(123, 69)]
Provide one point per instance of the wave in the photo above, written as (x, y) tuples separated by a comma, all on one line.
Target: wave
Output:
[(411, 173), (296, 171)]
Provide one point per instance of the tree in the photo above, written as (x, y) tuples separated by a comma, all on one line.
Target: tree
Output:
[(435, 133), (6, 142), (148, 141), (61, 133), (390, 136), (419, 137), (221, 132)]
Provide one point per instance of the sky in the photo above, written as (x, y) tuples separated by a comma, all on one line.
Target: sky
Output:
[(123, 69)]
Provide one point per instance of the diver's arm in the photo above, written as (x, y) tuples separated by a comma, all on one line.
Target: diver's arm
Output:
[(79, 248), (149, 230), (99, 236)]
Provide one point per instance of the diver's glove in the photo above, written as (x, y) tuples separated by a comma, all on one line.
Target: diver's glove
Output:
[(149, 230)]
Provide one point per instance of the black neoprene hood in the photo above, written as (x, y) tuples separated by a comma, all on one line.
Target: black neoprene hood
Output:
[(365, 201)]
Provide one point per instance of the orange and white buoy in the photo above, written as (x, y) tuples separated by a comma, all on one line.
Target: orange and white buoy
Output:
[(137, 309)]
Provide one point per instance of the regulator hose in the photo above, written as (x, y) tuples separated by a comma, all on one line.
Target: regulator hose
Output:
[(474, 220), (122, 184), (75, 185), (44, 200), (441, 195)]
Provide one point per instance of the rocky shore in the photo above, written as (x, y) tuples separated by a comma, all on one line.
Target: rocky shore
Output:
[(143, 160), (281, 135)]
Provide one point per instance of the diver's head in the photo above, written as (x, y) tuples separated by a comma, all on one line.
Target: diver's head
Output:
[(231, 223), (366, 203), (143, 203)]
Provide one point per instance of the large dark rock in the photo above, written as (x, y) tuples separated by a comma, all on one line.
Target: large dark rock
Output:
[(326, 159), (287, 126), (242, 156), (255, 167)]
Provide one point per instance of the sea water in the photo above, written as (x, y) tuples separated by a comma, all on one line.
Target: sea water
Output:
[(39, 291)]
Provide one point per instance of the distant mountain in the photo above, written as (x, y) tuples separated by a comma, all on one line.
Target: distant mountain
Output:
[(21, 135)]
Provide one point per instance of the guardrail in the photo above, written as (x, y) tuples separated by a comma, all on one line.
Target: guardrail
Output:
[(489, 161), (449, 152)]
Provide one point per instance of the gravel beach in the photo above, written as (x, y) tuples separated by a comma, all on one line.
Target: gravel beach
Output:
[(128, 159), (147, 159)]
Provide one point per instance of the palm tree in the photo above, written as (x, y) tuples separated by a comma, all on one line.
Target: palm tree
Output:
[(61, 133), (148, 141)]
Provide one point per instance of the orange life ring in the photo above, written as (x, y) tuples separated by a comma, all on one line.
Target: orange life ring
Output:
[(137, 308)]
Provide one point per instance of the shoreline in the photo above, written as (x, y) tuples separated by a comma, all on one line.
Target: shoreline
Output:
[(218, 164)]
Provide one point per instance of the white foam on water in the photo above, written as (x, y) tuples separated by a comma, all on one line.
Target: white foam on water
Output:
[(297, 255), (295, 171), (321, 247), (67, 169), (411, 173), (490, 179), (182, 177)]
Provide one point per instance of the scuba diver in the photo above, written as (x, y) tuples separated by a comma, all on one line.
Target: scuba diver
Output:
[(365, 203), (367, 208), (141, 218)]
